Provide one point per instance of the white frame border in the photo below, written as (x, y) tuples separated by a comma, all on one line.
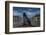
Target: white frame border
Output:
[(11, 29)]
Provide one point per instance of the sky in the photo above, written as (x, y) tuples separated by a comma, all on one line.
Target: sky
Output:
[(18, 11)]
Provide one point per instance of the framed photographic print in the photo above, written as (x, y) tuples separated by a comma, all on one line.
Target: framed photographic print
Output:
[(24, 17)]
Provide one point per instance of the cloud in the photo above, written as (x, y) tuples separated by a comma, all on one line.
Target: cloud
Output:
[(28, 13), (15, 13), (31, 14)]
